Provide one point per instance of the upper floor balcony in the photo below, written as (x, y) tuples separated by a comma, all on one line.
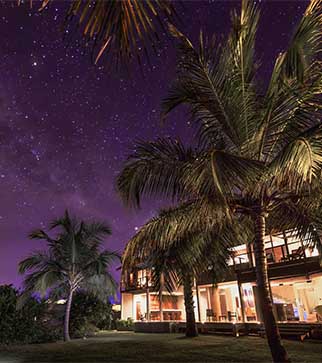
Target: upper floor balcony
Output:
[(287, 255), (137, 279), (280, 249)]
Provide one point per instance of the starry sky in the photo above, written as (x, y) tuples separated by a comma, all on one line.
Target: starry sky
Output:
[(66, 125)]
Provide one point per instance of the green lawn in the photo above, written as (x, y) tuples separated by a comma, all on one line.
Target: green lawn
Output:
[(131, 347)]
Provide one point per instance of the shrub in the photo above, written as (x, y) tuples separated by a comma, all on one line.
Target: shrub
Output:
[(23, 326), (89, 314), (125, 324)]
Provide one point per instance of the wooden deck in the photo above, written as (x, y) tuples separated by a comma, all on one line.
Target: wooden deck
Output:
[(298, 330)]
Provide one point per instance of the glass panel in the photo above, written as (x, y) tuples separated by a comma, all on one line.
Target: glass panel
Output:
[(298, 301), (249, 302), (284, 300)]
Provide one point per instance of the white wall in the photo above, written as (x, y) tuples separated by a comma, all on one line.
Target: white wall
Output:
[(126, 306)]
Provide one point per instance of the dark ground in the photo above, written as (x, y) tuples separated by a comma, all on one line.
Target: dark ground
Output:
[(136, 347)]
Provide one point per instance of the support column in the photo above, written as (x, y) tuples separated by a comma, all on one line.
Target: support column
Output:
[(299, 304), (272, 246), (257, 304), (208, 298), (148, 317), (161, 296), (198, 301), (250, 256), (274, 306), (242, 302), (216, 303), (209, 302), (286, 245)]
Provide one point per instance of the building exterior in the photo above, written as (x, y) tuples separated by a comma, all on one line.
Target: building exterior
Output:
[(295, 277)]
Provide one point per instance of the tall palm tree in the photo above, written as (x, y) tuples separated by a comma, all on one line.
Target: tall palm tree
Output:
[(261, 150), (125, 29), (73, 260), (176, 257)]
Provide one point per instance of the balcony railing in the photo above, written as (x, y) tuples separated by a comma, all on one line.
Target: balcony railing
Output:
[(136, 283), (277, 251)]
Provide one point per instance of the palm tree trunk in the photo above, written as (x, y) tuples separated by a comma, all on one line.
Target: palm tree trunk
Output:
[(191, 329), (278, 352), (67, 316)]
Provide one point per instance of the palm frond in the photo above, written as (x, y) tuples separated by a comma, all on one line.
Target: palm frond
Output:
[(221, 176), (305, 44), (100, 263), (171, 257), (124, 29), (241, 48), (154, 167), (301, 216), (216, 79), (65, 222), (94, 232), (300, 161), (293, 98), (174, 224), (200, 83), (72, 258), (102, 286), (37, 259)]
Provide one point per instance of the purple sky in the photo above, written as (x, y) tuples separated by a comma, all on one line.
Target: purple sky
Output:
[(66, 125)]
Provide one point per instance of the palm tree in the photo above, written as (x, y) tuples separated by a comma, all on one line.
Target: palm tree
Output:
[(72, 261), (177, 259), (125, 29), (261, 151)]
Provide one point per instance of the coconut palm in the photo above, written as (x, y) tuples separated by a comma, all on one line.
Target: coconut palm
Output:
[(72, 261), (176, 257), (261, 149), (125, 29)]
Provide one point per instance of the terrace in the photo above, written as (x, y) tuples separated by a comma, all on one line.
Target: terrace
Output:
[(295, 281)]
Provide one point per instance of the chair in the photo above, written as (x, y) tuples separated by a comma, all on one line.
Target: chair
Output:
[(232, 315), (318, 310), (211, 316), (297, 254), (270, 257)]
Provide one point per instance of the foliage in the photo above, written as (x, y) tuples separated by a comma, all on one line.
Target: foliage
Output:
[(162, 245), (264, 159), (26, 325), (259, 153), (73, 260), (125, 29), (124, 324), (89, 314), (259, 157)]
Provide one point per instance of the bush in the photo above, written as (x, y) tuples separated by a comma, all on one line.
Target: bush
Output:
[(23, 326), (89, 314), (125, 324)]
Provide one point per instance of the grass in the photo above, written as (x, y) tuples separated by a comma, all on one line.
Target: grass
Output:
[(139, 347)]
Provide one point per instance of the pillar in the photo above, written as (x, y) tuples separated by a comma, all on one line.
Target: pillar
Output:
[(148, 318), (161, 296), (257, 304), (242, 302), (198, 301), (215, 302)]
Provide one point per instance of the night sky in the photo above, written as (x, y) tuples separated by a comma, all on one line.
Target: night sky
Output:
[(66, 125)]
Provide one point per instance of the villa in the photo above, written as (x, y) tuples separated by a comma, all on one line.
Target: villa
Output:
[(295, 277)]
